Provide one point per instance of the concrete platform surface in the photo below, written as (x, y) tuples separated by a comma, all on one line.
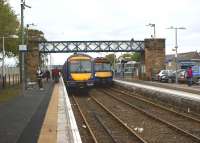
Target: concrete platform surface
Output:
[(21, 118), (176, 97), (183, 94), (180, 86), (48, 133)]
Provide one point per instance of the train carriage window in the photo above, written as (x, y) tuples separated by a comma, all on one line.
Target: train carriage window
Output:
[(102, 67), (80, 66)]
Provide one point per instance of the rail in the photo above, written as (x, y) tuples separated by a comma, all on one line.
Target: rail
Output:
[(153, 116)]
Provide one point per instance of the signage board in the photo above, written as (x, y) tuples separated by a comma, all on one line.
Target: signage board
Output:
[(22, 48)]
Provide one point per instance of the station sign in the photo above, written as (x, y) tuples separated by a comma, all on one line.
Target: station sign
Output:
[(22, 48)]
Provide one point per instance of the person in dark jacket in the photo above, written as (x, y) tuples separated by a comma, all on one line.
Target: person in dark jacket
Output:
[(47, 75), (39, 74), (56, 74), (189, 76)]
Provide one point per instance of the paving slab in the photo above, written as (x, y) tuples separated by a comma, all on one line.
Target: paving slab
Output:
[(21, 118)]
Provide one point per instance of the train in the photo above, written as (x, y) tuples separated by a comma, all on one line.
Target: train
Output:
[(103, 71), (82, 71), (78, 71)]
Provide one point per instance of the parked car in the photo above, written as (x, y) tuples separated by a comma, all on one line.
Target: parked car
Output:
[(181, 75), (164, 75)]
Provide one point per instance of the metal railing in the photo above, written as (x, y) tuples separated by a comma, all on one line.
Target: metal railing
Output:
[(9, 80)]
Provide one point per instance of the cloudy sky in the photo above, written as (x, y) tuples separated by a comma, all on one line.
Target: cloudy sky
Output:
[(116, 20)]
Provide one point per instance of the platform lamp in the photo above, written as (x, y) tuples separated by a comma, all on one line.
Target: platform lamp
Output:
[(22, 47), (154, 29), (176, 47)]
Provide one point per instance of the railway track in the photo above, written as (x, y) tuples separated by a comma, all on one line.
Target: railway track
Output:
[(112, 115), (87, 135), (103, 125), (184, 124), (188, 113)]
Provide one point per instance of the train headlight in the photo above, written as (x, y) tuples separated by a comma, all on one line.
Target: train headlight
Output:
[(91, 76)]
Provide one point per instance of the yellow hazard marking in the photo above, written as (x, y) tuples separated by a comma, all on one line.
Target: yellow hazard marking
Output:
[(79, 58), (103, 74), (48, 132), (81, 76)]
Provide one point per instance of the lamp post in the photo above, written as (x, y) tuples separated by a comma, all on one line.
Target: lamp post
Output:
[(22, 46), (154, 29), (176, 47), (3, 53)]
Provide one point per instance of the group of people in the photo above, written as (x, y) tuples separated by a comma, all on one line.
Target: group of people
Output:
[(40, 75)]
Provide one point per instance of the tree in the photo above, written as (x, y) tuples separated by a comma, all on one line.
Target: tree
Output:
[(136, 57), (35, 35), (131, 56), (126, 57), (111, 58), (9, 25)]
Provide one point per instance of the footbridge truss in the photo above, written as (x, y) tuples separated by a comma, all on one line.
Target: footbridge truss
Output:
[(91, 46)]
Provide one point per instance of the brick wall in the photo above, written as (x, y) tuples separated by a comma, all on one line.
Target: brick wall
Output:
[(32, 61), (154, 56)]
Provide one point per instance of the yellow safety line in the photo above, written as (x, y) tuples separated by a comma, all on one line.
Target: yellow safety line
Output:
[(48, 133)]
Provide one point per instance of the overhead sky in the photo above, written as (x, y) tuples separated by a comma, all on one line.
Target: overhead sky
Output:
[(116, 20)]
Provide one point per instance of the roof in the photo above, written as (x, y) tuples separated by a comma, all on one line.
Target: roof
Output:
[(79, 56), (189, 56), (101, 60)]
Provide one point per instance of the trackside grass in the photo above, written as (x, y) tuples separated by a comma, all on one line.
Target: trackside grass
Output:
[(9, 92)]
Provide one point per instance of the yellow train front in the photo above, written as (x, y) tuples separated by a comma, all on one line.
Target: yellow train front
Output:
[(78, 71), (103, 71)]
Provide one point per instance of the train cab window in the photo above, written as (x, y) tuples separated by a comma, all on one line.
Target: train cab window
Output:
[(102, 67), (107, 67), (80, 66)]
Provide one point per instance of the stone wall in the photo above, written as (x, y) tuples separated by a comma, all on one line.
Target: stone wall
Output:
[(32, 60), (154, 58)]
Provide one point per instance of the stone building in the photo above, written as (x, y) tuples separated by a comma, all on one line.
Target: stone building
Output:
[(184, 60)]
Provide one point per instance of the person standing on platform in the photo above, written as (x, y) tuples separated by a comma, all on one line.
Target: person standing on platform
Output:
[(47, 74), (39, 78), (189, 76), (56, 74)]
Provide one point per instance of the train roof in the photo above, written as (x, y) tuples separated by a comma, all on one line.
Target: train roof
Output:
[(100, 60), (79, 57)]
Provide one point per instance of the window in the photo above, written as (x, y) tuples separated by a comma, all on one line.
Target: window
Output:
[(102, 67), (80, 66)]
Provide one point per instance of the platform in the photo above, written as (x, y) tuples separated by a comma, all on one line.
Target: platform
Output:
[(43, 116), (59, 125), (180, 98), (180, 86)]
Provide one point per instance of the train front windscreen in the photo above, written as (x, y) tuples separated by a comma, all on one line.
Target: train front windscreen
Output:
[(102, 67), (80, 66)]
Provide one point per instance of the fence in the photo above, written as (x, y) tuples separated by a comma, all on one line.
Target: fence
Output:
[(127, 76), (10, 78)]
